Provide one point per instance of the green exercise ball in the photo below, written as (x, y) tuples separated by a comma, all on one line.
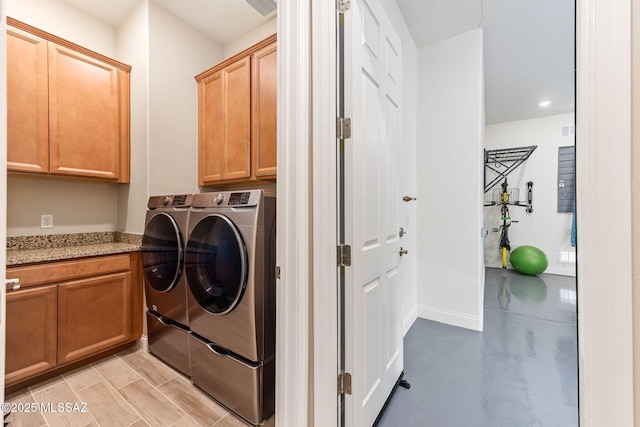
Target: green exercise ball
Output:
[(528, 260)]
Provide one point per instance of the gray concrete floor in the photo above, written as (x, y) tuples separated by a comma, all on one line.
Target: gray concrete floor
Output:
[(520, 371)]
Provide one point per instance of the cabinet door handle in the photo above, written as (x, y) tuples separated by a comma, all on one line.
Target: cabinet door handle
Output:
[(12, 284)]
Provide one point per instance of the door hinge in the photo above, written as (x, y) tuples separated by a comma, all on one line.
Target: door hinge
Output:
[(344, 256), (343, 5), (344, 383), (277, 272), (343, 128)]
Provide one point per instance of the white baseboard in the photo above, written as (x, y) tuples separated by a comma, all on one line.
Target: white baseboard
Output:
[(558, 269), (409, 319), (450, 317), (143, 343)]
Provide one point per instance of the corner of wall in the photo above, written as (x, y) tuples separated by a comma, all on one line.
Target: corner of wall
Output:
[(254, 36), (451, 111), (133, 48)]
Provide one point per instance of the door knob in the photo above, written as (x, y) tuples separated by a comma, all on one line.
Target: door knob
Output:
[(408, 198), (403, 251), (402, 232)]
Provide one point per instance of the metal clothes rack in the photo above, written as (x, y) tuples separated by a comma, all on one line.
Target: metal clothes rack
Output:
[(503, 161)]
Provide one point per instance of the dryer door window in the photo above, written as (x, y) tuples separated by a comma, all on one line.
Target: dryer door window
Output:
[(216, 264), (162, 252)]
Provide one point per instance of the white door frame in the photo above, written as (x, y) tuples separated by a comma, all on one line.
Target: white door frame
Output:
[(3, 188), (294, 404), (325, 225), (306, 393), (306, 372), (603, 167)]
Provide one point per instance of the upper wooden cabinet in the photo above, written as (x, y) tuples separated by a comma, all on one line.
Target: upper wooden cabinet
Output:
[(237, 114), (264, 109), (224, 113), (67, 108), (27, 103)]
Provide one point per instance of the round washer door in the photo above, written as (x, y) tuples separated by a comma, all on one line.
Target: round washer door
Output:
[(216, 264), (162, 252)]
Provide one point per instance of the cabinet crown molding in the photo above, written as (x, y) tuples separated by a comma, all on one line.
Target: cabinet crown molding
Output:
[(12, 22), (247, 52)]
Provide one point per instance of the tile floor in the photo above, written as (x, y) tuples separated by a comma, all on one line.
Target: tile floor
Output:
[(131, 388), (521, 371)]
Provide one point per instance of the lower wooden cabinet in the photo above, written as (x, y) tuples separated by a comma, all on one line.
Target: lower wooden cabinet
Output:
[(71, 310), (31, 332), (93, 315)]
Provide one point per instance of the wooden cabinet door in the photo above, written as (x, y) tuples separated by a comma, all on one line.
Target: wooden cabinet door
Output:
[(224, 134), (264, 110), (211, 129), (31, 332), (94, 314), (84, 115), (27, 103), (236, 152)]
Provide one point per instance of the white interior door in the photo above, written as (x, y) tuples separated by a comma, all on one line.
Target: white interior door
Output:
[(373, 318)]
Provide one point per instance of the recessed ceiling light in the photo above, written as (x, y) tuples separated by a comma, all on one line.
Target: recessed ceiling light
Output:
[(544, 104)]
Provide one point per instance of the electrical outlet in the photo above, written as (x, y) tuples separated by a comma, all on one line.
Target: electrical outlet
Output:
[(46, 221)]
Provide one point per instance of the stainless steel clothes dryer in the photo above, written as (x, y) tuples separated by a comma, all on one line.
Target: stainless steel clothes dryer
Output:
[(230, 270), (163, 245)]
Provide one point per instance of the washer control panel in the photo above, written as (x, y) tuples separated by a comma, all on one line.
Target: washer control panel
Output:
[(169, 202), (236, 199), (180, 200)]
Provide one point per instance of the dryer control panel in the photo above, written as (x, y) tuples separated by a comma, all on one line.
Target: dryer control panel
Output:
[(239, 198), (227, 199)]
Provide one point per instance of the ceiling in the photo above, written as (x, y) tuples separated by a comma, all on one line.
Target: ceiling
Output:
[(528, 44), (223, 20), (528, 49)]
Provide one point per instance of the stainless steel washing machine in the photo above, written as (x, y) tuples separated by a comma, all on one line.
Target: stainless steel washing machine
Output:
[(163, 247), (230, 270)]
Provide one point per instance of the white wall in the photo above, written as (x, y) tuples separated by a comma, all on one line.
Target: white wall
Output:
[(63, 20), (76, 206), (252, 37), (544, 228), (408, 167), (177, 52), (450, 163)]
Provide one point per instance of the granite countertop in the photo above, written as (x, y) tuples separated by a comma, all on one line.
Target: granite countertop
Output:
[(57, 247)]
